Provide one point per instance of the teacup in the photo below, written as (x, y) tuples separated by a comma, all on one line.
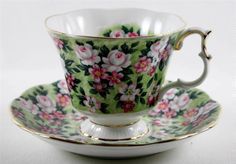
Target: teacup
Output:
[(115, 63)]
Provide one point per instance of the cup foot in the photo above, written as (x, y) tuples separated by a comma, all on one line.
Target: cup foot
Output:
[(111, 133)]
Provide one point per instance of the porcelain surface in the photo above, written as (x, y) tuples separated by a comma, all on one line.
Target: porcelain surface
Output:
[(119, 75), (46, 111), (115, 67)]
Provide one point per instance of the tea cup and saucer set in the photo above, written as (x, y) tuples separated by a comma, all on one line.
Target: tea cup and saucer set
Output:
[(115, 101)]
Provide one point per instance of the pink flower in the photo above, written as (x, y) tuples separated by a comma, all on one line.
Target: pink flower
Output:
[(45, 116), (132, 34), (70, 80), (128, 92), (180, 103), (117, 34), (127, 106), (99, 87), (170, 94), (34, 109), (27, 104), (170, 114), (116, 61), (45, 103), (58, 115), (183, 100), (154, 112), (162, 122), (62, 86), (189, 114), (62, 100), (114, 78), (142, 64), (192, 115), (157, 48), (87, 55), (157, 122), (152, 70), (185, 123), (165, 53), (59, 43), (98, 73), (92, 103), (163, 106), (151, 100)]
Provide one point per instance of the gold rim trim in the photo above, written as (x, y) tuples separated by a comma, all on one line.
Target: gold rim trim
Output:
[(56, 138), (115, 126), (50, 30), (123, 139), (203, 34)]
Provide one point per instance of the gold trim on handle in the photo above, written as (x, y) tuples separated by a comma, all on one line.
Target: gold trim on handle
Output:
[(204, 55), (204, 35)]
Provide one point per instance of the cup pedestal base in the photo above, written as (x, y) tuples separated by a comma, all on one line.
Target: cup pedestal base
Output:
[(114, 133)]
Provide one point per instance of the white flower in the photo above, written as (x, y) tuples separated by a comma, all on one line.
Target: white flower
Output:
[(62, 86), (45, 103), (183, 100), (25, 104), (92, 103), (87, 55), (170, 94), (116, 60), (156, 49), (34, 109), (164, 54), (128, 92), (117, 34), (180, 103)]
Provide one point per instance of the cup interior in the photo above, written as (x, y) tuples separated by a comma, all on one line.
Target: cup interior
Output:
[(99, 22)]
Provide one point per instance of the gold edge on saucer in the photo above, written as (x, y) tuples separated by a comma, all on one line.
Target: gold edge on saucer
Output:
[(211, 125)]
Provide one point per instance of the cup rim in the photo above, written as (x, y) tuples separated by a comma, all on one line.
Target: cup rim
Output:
[(51, 30)]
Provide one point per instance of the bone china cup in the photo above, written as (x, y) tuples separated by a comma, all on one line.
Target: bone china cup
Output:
[(115, 63)]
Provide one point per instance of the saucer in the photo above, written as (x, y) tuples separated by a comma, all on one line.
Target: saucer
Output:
[(46, 112)]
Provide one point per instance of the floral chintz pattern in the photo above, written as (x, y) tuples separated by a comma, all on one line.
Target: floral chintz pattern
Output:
[(122, 31), (114, 76), (47, 109)]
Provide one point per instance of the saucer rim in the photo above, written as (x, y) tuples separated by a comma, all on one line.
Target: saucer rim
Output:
[(53, 137)]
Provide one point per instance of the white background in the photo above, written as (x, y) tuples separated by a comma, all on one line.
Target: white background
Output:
[(28, 57)]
